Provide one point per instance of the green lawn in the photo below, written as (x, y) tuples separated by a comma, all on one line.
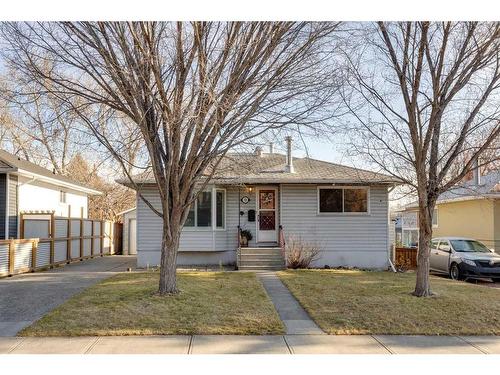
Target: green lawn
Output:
[(209, 303), (360, 302)]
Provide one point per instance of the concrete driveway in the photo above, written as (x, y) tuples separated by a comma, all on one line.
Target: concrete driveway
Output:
[(27, 297)]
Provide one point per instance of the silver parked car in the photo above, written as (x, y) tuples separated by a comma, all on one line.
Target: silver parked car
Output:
[(462, 258)]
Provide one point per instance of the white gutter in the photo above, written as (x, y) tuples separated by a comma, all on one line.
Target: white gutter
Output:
[(126, 211), (57, 182), (33, 179)]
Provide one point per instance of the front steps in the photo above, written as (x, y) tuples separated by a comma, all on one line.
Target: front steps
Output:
[(261, 258)]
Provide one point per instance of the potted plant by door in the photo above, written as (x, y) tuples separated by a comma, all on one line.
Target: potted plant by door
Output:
[(246, 236)]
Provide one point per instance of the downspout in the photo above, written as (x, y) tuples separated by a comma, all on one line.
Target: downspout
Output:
[(391, 264), (214, 223), (238, 250), (7, 206)]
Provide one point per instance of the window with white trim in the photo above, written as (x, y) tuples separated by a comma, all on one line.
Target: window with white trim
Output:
[(343, 200), (220, 209), (62, 196), (203, 213)]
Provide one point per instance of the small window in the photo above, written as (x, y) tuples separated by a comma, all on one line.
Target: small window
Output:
[(330, 200), (208, 208), (444, 246), (62, 196), (355, 200), (347, 200), (219, 208), (204, 209)]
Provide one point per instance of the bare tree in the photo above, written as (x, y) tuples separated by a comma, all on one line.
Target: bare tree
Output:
[(43, 129), (193, 90), (424, 102), (114, 199), (37, 126)]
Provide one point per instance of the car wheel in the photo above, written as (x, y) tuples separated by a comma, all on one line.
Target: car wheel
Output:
[(455, 273)]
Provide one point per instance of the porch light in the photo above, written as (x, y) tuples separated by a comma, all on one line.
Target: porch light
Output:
[(250, 189)]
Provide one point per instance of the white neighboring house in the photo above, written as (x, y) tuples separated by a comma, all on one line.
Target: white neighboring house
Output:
[(25, 187), (343, 210)]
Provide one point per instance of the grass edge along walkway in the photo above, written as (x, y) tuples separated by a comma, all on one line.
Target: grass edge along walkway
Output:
[(209, 303), (351, 302)]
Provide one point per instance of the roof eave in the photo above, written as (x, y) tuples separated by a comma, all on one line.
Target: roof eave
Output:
[(236, 181), (8, 169), (57, 182), (127, 211)]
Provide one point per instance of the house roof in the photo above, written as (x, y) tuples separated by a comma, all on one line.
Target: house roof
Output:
[(246, 168), (489, 188), (13, 164)]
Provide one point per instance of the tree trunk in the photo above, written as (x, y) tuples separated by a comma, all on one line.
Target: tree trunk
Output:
[(422, 286), (168, 266)]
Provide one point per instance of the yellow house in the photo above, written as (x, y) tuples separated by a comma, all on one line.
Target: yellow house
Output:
[(472, 210)]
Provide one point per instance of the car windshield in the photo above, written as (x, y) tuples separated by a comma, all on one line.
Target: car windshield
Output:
[(469, 246)]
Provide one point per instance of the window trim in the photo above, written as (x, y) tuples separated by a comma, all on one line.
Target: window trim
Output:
[(343, 213), (214, 202), (62, 194), (213, 227)]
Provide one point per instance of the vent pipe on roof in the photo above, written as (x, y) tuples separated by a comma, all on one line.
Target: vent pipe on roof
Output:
[(271, 147), (476, 173), (289, 158), (258, 151)]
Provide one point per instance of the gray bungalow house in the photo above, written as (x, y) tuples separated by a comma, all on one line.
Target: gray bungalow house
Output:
[(342, 210)]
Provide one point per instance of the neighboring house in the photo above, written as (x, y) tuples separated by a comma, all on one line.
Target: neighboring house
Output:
[(129, 238), (25, 187), (470, 210), (343, 210)]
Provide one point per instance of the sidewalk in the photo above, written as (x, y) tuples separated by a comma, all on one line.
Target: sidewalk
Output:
[(287, 344), (295, 318)]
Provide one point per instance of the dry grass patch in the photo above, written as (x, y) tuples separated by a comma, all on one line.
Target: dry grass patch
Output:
[(209, 303), (358, 302)]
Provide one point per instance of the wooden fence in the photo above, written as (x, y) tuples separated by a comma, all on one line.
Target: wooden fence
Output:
[(406, 257), (47, 240)]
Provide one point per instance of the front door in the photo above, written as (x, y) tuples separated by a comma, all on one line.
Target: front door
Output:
[(267, 209)]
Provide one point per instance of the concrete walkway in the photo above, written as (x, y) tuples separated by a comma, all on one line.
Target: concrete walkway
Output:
[(295, 318), (288, 344), (27, 297)]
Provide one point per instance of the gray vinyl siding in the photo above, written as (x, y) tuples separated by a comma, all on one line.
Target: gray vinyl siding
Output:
[(13, 204), (3, 204), (197, 246), (350, 240), (344, 239)]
